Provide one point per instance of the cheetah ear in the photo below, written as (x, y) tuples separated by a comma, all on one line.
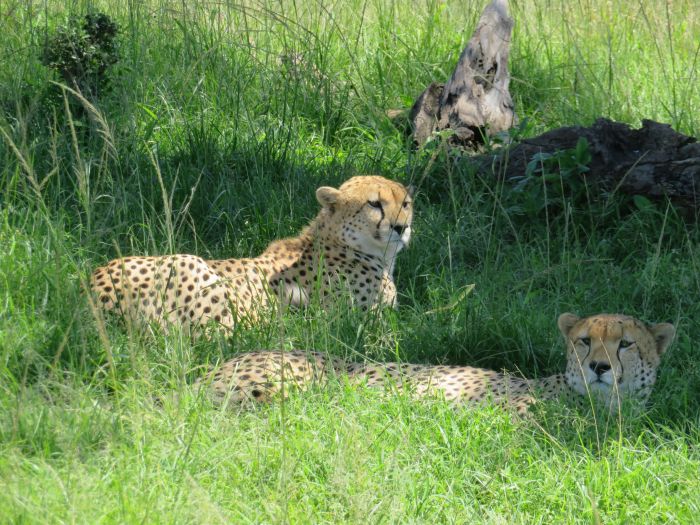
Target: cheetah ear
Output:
[(566, 322), (410, 189), (663, 334), (327, 196)]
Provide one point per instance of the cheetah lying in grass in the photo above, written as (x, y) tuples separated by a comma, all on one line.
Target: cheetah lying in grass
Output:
[(352, 243), (608, 356)]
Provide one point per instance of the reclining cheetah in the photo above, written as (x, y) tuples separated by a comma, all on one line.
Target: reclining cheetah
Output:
[(609, 356), (353, 240)]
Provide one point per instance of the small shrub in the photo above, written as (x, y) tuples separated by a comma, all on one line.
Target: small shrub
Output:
[(563, 174), (83, 51)]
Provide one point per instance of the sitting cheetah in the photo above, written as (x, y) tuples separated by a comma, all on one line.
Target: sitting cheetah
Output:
[(353, 241), (609, 356)]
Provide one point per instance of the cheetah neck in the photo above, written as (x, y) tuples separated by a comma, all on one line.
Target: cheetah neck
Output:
[(321, 233), (552, 386)]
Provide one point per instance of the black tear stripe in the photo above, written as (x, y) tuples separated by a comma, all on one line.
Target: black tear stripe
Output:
[(622, 367), (381, 209), (588, 353)]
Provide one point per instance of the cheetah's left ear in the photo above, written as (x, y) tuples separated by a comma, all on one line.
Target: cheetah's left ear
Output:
[(663, 334), (327, 196), (410, 189), (566, 322)]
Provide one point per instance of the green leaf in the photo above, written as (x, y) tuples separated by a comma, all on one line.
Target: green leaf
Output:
[(642, 203)]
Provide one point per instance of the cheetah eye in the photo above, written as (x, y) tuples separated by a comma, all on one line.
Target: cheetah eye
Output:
[(405, 204), (625, 344), (586, 341), (375, 204)]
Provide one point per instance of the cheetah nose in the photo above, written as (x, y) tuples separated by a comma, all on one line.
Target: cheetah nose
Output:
[(599, 367), (399, 229)]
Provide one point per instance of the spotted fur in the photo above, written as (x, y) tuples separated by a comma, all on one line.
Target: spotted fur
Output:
[(613, 356), (351, 244), (620, 359)]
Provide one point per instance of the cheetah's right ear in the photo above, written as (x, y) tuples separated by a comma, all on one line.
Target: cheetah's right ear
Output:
[(327, 196), (566, 322), (663, 334)]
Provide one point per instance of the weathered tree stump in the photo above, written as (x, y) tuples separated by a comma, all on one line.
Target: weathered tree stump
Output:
[(654, 161), (475, 102)]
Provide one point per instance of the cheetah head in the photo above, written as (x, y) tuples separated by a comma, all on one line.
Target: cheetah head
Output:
[(613, 355), (370, 214)]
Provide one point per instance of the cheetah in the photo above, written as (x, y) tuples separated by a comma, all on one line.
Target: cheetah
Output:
[(609, 356), (352, 243)]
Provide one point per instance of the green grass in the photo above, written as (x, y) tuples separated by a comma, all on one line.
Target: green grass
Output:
[(208, 143)]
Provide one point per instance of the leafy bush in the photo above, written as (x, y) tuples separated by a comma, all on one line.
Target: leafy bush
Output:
[(83, 51), (551, 180)]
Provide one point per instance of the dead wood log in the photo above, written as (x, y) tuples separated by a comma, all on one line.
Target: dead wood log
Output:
[(654, 161), (475, 102)]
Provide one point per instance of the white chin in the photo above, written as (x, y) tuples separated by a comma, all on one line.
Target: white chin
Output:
[(597, 386), (603, 391)]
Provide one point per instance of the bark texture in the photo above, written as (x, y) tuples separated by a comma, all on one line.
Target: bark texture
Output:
[(475, 102), (654, 161)]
